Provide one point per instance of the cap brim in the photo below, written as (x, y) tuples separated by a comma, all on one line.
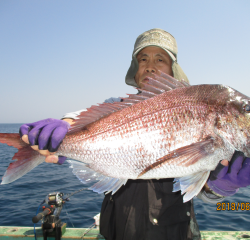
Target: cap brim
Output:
[(169, 53)]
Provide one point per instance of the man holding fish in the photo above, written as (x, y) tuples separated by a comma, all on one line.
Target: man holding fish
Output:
[(146, 209)]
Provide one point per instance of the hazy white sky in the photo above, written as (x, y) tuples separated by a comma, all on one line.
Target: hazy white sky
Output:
[(62, 56)]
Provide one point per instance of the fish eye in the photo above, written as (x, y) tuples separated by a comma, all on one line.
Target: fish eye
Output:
[(247, 108)]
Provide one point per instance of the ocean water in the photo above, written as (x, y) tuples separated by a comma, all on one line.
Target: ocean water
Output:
[(19, 200)]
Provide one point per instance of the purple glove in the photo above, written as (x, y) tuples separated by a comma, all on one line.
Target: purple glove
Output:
[(61, 160), (226, 180), (48, 134)]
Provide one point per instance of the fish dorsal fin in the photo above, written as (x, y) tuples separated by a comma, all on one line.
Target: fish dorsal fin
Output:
[(170, 81), (152, 87), (87, 175), (95, 113)]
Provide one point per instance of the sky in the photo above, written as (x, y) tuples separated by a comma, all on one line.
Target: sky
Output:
[(60, 56)]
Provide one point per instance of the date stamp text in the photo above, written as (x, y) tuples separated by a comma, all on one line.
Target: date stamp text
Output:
[(234, 206)]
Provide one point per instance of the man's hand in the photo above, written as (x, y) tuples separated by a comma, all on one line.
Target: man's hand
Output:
[(45, 136), (228, 177)]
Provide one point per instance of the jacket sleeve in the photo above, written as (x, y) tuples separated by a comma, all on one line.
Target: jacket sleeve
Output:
[(73, 115), (112, 100)]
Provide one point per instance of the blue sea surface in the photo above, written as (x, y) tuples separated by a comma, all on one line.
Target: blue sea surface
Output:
[(19, 200)]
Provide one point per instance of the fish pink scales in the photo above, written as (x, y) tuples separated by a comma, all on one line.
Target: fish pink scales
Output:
[(169, 130)]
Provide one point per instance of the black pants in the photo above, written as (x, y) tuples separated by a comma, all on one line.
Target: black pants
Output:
[(130, 213), (170, 232)]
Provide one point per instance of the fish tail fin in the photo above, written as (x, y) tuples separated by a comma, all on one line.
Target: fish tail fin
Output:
[(26, 157)]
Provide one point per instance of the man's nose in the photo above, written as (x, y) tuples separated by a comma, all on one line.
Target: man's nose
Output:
[(150, 68)]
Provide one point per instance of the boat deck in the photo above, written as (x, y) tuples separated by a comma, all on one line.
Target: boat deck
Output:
[(27, 233)]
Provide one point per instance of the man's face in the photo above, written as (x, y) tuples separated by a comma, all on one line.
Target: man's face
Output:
[(151, 60)]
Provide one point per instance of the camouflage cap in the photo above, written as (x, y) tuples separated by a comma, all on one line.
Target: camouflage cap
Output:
[(159, 38)]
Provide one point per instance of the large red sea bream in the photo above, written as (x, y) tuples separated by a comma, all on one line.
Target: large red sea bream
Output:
[(169, 130)]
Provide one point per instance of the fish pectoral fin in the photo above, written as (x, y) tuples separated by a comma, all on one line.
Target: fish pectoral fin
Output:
[(86, 175), (190, 185), (184, 156)]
